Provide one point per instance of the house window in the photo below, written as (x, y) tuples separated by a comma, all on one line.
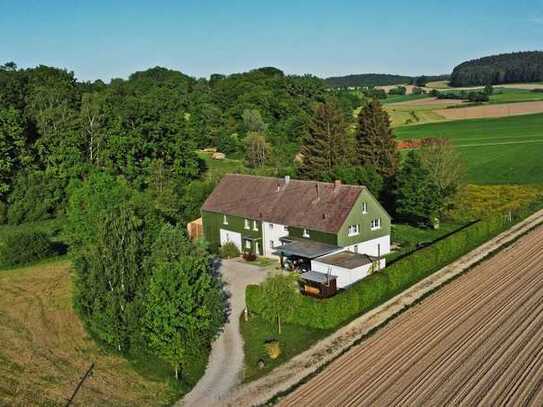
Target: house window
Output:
[(375, 224), (306, 233), (285, 228), (353, 230), (364, 207), (247, 224), (255, 225), (271, 225), (224, 220), (271, 244), (248, 244)]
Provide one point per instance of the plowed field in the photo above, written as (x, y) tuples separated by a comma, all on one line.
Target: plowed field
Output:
[(477, 341)]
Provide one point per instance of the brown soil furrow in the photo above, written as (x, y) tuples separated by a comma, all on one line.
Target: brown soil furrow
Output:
[(397, 341), (445, 344), (476, 341)]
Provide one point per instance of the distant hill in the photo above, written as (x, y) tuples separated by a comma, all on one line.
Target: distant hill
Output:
[(375, 79), (498, 69)]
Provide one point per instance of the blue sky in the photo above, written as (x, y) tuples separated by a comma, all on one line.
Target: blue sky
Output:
[(105, 39)]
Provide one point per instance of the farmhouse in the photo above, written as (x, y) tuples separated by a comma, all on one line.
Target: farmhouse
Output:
[(332, 232)]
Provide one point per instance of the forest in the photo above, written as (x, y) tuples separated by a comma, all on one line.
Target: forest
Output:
[(377, 79), (499, 69)]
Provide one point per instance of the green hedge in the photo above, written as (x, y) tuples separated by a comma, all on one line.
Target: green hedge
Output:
[(24, 247), (378, 288)]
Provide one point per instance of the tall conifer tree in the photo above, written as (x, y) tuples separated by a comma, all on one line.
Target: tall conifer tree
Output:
[(327, 144), (374, 140)]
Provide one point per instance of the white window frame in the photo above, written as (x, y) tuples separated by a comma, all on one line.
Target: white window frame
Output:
[(255, 225), (305, 233), (271, 225), (248, 244), (364, 208), (224, 220), (247, 226), (375, 224), (353, 230), (285, 228)]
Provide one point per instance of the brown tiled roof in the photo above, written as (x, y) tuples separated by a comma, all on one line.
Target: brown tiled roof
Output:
[(295, 203)]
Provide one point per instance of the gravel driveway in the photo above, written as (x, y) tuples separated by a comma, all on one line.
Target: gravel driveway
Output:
[(225, 366)]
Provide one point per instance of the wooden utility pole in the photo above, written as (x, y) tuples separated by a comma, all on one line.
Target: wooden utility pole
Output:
[(87, 374)]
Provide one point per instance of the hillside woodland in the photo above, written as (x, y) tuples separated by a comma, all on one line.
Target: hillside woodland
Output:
[(498, 69)]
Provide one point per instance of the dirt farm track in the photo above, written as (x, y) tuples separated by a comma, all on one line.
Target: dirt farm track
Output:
[(476, 341)]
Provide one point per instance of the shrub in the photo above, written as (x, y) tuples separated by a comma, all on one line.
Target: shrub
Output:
[(249, 256), (25, 247), (228, 250), (273, 349), (378, 288)]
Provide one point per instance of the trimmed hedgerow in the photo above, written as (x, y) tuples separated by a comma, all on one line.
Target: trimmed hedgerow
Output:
[(378, 288), (25, 247)]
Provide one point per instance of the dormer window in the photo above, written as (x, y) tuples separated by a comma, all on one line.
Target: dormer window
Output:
[(247, 224), (224, 220), (306, 233), (364, 207), (353, 230)]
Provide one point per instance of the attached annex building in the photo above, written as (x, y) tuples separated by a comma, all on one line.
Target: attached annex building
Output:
[(327, 228)]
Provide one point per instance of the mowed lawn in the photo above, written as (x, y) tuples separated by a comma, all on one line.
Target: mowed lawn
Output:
[(506, 150), (44, 349)]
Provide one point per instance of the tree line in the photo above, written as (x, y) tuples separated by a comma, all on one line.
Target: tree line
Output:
[(418, 189), (498, 69)]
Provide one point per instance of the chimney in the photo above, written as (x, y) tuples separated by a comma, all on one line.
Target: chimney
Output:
[(337, 183), (287, 179), (317, 190)]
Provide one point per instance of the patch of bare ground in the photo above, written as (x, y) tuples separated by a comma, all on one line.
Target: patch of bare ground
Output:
[(477, 341), (484, 111), (45, 350)]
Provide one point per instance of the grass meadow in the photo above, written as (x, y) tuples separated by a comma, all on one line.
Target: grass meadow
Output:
[(506, 150)]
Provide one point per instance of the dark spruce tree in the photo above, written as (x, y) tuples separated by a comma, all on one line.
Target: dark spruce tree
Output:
[(327, 144), (374, 140)]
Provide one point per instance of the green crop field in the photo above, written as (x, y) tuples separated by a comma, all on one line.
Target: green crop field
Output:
[(506, 150), (509, 95)]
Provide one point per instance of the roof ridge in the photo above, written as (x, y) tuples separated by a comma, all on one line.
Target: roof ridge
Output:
[(295, 180)]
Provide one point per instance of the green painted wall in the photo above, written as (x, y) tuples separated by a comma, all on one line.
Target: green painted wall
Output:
[(314, 235), (357, 217), (213, 222)]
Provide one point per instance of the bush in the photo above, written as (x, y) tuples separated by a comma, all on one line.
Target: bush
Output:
[(249, 256), (25, 247), (228, 251), (378, 288)]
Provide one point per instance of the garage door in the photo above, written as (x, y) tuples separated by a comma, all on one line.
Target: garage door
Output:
[(229, 236)]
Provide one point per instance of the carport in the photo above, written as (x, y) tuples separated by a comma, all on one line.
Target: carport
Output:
[(296, 255)]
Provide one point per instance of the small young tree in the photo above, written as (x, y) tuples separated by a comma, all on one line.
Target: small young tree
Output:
[(374, 140), (417, 196), (280, 297), (445, 167), (257, 149)]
